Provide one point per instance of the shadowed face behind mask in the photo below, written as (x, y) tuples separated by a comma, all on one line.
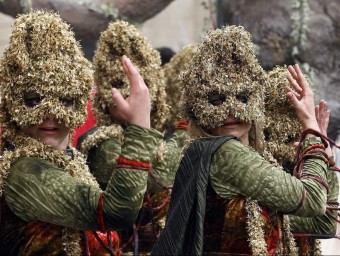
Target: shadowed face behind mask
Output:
[(43, 72), (224, 79), (122, 38)]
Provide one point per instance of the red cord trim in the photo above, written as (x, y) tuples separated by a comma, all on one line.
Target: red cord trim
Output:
[(333, 208), (318, 179), (100, 216), (333, 202), (311, 154), (127, 163), (332, 216), (331, 163), (325, 140), (335, 168), (182, 125), (307, 149)]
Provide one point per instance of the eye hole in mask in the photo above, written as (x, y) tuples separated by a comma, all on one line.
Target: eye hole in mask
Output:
[(32, 99), (266, 134), (203, 82), (289, 139), (216, 99), (117, 84), (67, 101), (242, 97)]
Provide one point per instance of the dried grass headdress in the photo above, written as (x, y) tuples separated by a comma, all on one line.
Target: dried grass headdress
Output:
[(173, 81), (282, 127), (224, 78), (122, 38), (43, 58)]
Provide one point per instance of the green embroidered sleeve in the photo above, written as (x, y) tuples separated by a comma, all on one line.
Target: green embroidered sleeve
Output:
[(165, 158), (37, 190), (102, 160), (238, 169), (323, 224)]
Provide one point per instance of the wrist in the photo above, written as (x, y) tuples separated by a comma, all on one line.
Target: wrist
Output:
[(144, 123), (312, 125), (310, 133)]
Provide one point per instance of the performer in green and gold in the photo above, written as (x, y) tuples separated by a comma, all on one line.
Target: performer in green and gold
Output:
[(282, 131), (50, 203), (227, 199), (103, 143)]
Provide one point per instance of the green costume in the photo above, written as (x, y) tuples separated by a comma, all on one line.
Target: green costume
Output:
[(101, 157), (235, 170), (102, 145), (282, 130), (164, 158), (37, 190), (49, 199), (231, 201), (44, 180)]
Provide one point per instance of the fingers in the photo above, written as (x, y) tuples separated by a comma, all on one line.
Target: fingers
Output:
[(323, 111), (132, 73), (302, 99), (294, 75), (292, 96), (323, 106), (297, 80), (323, 115), (317, 113), (297, 95), (118, 99), (293, 83), (136, 108)]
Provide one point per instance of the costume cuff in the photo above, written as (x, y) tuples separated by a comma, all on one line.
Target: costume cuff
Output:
[(139, 143)]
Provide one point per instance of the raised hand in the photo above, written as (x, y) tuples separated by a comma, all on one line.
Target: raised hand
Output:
[(136, 108), (302, 98), (323, 114)]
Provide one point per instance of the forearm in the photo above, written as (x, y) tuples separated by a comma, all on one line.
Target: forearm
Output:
[(127, 184), (38, 190), (237, 169), (323, 225)]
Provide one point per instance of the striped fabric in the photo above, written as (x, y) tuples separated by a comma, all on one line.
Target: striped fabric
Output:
[(183, 233)]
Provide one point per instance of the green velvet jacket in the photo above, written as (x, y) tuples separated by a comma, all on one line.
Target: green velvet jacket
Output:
[(38, 191), (321, 226), (165, 160), (101, 158), (236, 169)]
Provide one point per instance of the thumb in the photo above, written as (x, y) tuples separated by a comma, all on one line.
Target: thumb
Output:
[(118, 98)]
